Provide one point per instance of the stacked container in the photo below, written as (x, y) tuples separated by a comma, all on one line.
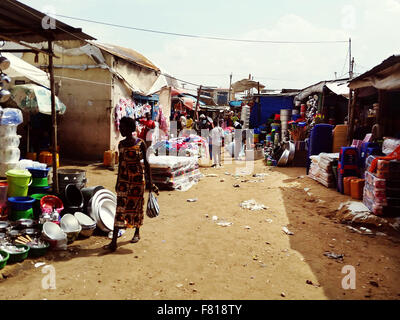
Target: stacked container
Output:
[(9, 140), (382, 188)]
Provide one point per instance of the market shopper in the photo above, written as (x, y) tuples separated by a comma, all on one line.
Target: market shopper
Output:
[(217, 134), (148, 125), (131, 182)]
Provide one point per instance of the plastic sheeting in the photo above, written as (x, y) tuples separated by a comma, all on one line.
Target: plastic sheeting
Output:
[(35, 99), (269, 106), (19, 68)]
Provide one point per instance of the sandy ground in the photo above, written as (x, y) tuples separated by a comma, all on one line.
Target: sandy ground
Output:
[(184, 254)]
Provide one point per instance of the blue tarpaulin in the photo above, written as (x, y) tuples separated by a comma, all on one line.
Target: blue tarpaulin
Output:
[(235, 103), (268, 106)]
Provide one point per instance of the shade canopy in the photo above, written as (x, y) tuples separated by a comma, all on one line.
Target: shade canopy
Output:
[(19, 68), (20, 22), (34, 98), (246, 84)]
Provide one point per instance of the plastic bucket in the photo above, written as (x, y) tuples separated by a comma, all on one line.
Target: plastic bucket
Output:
[(36, 190), (36, 205), (3, 193), (39, 173), (22, 214), (40, 182), (18, 182)]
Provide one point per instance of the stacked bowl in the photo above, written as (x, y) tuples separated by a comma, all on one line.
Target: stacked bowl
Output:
[(71, 226), (88, 225), (54, 235), (102, 208)]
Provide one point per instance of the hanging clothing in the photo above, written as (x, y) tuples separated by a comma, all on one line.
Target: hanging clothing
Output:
[(130, 187)]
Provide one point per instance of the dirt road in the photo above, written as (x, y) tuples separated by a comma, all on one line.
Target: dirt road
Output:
[(184, 254)]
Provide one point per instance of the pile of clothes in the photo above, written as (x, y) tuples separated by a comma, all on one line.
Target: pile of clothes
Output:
[(174, 173), (191, 146), (321, 168)]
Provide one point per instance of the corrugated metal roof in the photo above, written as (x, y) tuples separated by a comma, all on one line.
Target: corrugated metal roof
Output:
[(392, 60), (127, 54), (19, 22)]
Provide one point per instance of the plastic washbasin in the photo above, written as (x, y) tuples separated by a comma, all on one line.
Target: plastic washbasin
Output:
[(19, 257), (6, 257)]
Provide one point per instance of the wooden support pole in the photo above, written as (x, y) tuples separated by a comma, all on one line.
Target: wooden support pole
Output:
[(197, 103), (54, 118)]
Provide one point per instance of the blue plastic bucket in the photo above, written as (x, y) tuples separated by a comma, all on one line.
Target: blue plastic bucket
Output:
[(21, 203)]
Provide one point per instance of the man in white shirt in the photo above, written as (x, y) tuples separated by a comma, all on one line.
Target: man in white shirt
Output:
[(216, 137)]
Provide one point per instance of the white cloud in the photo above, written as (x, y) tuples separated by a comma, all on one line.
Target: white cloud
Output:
[(374, 35)]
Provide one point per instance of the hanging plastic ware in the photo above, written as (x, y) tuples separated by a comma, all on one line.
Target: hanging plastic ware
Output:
[(11, 116)]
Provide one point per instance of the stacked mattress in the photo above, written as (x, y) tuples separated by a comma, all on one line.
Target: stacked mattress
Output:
[(321, 168), (174, 173)]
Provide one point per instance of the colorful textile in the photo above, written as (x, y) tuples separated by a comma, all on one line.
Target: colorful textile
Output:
[(130, 187)]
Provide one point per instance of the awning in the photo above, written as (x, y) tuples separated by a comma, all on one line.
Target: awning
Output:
[(246, 84), (235, 103), (341, 89), (35, 98), (19, 68)]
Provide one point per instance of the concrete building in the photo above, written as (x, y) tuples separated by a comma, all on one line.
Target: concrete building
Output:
[(91, 79)]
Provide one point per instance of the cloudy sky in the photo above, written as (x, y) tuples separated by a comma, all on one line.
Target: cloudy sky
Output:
[(372, 25)]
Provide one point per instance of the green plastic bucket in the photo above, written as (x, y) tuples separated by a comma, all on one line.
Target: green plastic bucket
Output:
[(36, 205), (16, 215), (40, 182), (18, 182)]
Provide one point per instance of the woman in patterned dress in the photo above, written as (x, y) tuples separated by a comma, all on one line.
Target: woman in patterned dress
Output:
[(130, 182)]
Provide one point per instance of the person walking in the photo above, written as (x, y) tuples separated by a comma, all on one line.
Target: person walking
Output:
[(148, 125), (217, 133), (131, 182)]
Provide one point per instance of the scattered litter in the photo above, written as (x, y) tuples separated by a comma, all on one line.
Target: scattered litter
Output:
[(206, 215), (222, 180), (381, 234), (255, 257), (301, 177), (307, 189), (309, 194), (120, 233), (214, 218), (224, 224), (259, 175), (211, 175), (39, 264), (227, 173), (236, 185), (179, 285), (286, 230), (191, 283), (247, 227), (333, 255), (268, 220), (312, 284), (192, 200), (253, 205), (283, 294), (362, 230)]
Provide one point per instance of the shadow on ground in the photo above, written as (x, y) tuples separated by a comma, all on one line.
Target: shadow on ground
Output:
[(375, 259)]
